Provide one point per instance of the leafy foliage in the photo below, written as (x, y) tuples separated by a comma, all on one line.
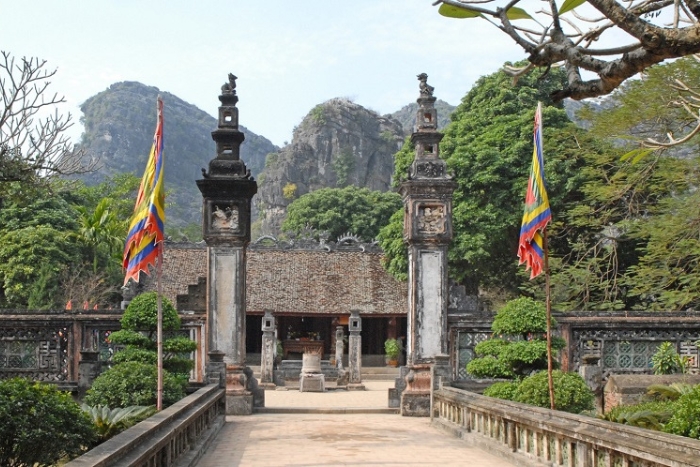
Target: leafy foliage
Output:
[(40, 425), (340, 210), (666, 360), (652, 414), (571, 394), (521, 345), (392, 348), (132, 383), (110, 422), (506, 390), (488, 149), (139, 324), (685, 420)]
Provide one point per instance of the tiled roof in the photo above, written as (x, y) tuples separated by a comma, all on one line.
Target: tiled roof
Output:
[(308, 281)]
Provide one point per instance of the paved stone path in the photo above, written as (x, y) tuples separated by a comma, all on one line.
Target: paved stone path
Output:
[(316, 440)]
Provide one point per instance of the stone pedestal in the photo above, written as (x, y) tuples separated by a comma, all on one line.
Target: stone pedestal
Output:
[(592, 374), (311, 378), (216, 368), (415, 399), (88, 369)]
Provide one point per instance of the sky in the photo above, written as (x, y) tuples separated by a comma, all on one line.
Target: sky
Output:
[(288, 55)]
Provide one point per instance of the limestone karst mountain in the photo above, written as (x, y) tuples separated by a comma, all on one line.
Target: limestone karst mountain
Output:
[(119, 124), (339, 143)]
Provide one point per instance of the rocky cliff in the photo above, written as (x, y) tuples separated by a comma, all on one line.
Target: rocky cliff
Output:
[(119, 125), (339, 143)]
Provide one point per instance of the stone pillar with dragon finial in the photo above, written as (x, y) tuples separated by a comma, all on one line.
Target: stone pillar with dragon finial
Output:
[(427, 196), (227, 188)]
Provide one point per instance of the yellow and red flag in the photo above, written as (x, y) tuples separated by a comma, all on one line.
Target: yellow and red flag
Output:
[(144, 241), (537, 213)]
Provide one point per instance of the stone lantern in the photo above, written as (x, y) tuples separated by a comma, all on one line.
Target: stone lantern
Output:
[(227, 189)]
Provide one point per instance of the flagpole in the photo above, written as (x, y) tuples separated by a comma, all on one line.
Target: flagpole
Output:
[(159, 330), (548, 304)]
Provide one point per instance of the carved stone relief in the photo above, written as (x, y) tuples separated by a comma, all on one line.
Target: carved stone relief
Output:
[(225, 219), (431, 219)]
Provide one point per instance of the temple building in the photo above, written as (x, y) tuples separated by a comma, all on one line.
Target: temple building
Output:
[(310, 287)]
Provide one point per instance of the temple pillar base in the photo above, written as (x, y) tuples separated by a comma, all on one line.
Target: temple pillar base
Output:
[(415, 399)]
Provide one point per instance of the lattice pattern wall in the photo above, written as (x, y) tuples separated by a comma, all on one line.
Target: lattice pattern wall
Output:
[(466, 341), (39, 354), (630, 351)]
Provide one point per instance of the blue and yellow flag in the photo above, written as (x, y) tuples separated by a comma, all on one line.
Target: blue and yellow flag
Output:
[(145, 238), (537, 213)]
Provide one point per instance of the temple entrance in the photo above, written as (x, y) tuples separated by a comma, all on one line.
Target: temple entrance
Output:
[(294, 333)]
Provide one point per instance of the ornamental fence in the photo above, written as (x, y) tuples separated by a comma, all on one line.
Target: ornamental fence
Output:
[(68, 347), (528, 435)]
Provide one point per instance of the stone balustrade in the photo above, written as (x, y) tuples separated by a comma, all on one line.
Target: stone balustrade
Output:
[(529, 435), (176, 436)]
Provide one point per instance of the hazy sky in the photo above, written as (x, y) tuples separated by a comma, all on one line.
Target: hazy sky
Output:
[(288, 55)]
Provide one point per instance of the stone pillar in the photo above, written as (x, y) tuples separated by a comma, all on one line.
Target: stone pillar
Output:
[(355, 352), (227, 189), (88, 369), (267, 361), (339, 346), (427, 197), (592, 374)]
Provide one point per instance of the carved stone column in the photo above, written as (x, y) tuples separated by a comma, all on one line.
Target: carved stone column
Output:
[(427, 197), (227, 189), (267, 361), (355, 352), (339, 346)]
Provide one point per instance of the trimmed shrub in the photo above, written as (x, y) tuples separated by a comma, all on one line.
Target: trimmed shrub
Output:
[(502, 390), (489, 367), (571, 394), (133, 383), (40, 425)]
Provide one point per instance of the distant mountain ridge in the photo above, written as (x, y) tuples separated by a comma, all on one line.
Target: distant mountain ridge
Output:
[(119, 124)]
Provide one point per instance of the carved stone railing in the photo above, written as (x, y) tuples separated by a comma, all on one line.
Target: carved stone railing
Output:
[(529, 435), (177, 436)]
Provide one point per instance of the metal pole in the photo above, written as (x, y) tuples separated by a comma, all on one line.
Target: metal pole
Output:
[(159, 332), (548, 302)]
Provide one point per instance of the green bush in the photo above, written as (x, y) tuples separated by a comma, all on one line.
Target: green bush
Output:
[(40, 425), (392, 349), (651, 415), (521, 317), (110, 422), (685, 420), (489, 367), (666, 360), (571, 394), (503, 390), (133, 383), (141, 314)]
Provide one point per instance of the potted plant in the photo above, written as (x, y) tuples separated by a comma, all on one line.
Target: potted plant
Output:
[(392, 350)]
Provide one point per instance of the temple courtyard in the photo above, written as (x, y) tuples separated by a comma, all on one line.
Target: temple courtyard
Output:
[(307, 429)]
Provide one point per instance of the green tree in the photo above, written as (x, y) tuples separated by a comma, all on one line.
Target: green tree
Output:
[(40, 425), (337, 211), (132, 381), (488, 148), (138, 335)]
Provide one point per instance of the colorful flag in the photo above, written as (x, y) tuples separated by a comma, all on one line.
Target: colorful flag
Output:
[(144, 241), (537, 213)]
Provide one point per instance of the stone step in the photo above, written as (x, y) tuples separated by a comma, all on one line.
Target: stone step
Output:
[(384, 373), (326, 410)]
